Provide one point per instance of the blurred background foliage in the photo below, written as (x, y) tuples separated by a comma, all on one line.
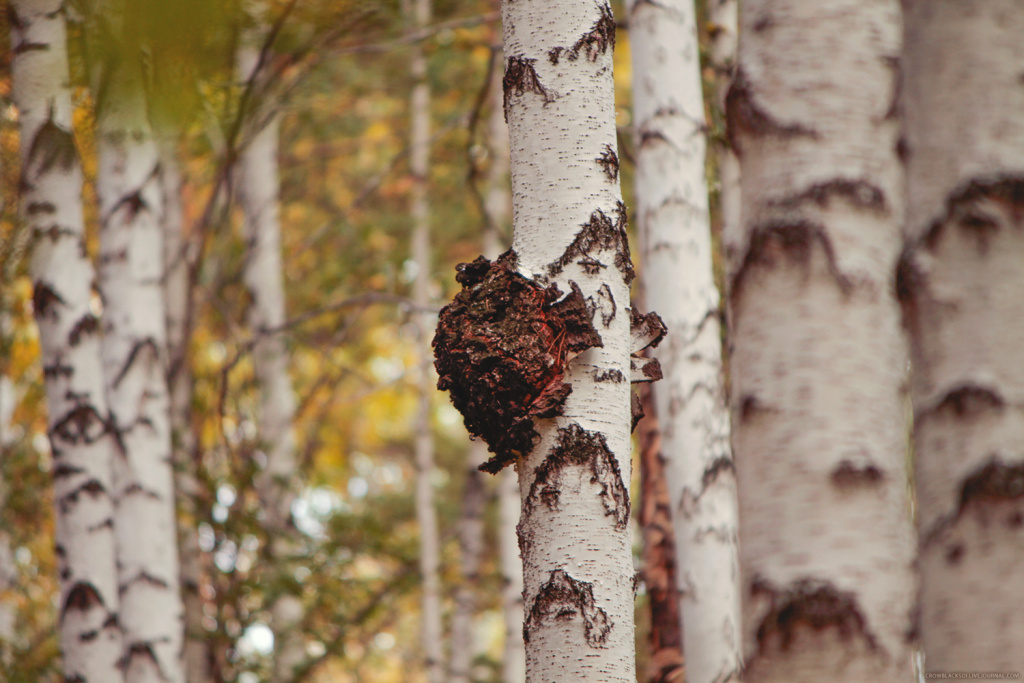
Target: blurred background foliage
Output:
[(338, 72)]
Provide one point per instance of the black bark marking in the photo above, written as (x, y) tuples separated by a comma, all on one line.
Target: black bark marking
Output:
[(52, 146), (136, 650), (577, 446), (646, 330), (521, 77), (92, 488), (955, 554), (45, 299), (964, 208), (715, 469), (609, 309), (142, 577), (591, 266), (64, 470), (26, 46), (609, 163), (554, 54), (87, 324), (902, 149), (600, 234), (763, 23), (609, 376), (636, 410), (57, 370), (137, 349), (792, 239), (502, 348), (862, 194), (743, 115), (850, 475), (751, 407), (83, 596), (561, 598), (80, 425), (133, 202), (815, 604), (648, 136), (594, 42), (993, 482), (895, 110), (965, 401), (37, 208)]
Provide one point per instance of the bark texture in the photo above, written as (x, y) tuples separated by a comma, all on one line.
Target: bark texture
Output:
[(569, 226), (962, 288), (672, 205), (418, 12), (134, 364), (277, 486), (79, 425), (723, 29), (818, 362)]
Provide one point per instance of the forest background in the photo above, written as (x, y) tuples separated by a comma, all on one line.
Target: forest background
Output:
[(339, 72)]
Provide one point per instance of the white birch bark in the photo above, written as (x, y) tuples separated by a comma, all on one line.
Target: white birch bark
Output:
[(258, 187), (179, 382), (134, 363), (568, 219), (672, 205), (962, 288), (818, 362), (723, 19), (498, 204), (418, 12), (79, 432)]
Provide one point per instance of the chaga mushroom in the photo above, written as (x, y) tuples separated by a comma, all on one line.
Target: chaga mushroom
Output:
[(501, 351)]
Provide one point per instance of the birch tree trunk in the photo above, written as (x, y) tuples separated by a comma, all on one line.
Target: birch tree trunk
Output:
[(498, 204), (78, 424), (258, 186), (723, 20), (134, 365), (177, 293), (962, 289), (818, 363), (418, 12), (569, 226), (672, 202)]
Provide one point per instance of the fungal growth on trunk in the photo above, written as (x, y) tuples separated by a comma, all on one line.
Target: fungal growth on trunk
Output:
[(501, 350)]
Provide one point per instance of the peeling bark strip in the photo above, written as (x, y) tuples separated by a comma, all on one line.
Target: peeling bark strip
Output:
[(81, 443), (502, 347), (576, 446), (599, 234), (561, 599), (810, 604)]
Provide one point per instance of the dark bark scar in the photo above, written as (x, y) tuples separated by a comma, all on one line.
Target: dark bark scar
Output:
[(743, 114), (598, 234), (562, 598), (521, 78), (609, 162)]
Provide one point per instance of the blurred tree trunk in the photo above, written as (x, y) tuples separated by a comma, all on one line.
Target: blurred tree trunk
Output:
[(135, 364), (80, 435), (418, 15), (8, 571), (278, 484), (722, 19), (178, 293), (672, 205), (818, 362), (961, 284), (665, 638), (569, 225), (498, 203)]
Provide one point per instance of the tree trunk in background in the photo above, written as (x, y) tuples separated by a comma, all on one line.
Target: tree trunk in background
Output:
[(498, 204), (8, 571), (569, 225), (80, 437), (818, 362), (665, 638), (418, 13), (177, 292), (672, 205), (962, 289), (258, 186), (722, 17), (134, 364)]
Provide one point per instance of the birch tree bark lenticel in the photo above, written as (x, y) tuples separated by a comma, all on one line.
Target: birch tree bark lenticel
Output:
[(818, 362), (78, 424), (961, 283), (546, 330)]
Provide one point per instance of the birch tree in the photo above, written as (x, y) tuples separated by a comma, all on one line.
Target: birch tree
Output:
[(962, 290), (258, 188), (535, 349), (418, 13), (723, 29), (672, 205), (80, 433), (134, 364), (818, 364)]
